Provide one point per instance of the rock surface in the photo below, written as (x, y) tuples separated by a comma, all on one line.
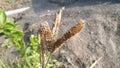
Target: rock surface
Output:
[(99, 37), (63, 2)]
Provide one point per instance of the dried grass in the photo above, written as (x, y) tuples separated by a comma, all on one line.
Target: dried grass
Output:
[(47, 38), (56, 23), (71, 32)]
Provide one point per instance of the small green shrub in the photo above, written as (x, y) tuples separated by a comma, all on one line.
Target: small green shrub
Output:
[(29, 52)]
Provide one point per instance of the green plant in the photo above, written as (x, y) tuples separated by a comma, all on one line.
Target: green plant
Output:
[(11, 1), (29, 51)]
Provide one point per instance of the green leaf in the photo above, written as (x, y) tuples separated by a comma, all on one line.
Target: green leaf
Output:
[(17, 43), (49, 65), (9, 25), (28, 50), (17, 34), (2, 17), (7, 31), (33, 39)]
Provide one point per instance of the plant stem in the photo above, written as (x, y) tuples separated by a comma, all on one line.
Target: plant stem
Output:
[(48, 60)]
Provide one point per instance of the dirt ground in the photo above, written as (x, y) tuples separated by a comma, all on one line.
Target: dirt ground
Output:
[(99, 39)]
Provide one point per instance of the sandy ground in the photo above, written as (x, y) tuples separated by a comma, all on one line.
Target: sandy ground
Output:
[(100, 36)]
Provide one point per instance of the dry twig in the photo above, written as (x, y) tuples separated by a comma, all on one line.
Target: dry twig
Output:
[(56, 23), (93, 65)]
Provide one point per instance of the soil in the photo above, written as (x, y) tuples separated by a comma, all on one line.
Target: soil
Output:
[(13, 4), (99, 38)]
